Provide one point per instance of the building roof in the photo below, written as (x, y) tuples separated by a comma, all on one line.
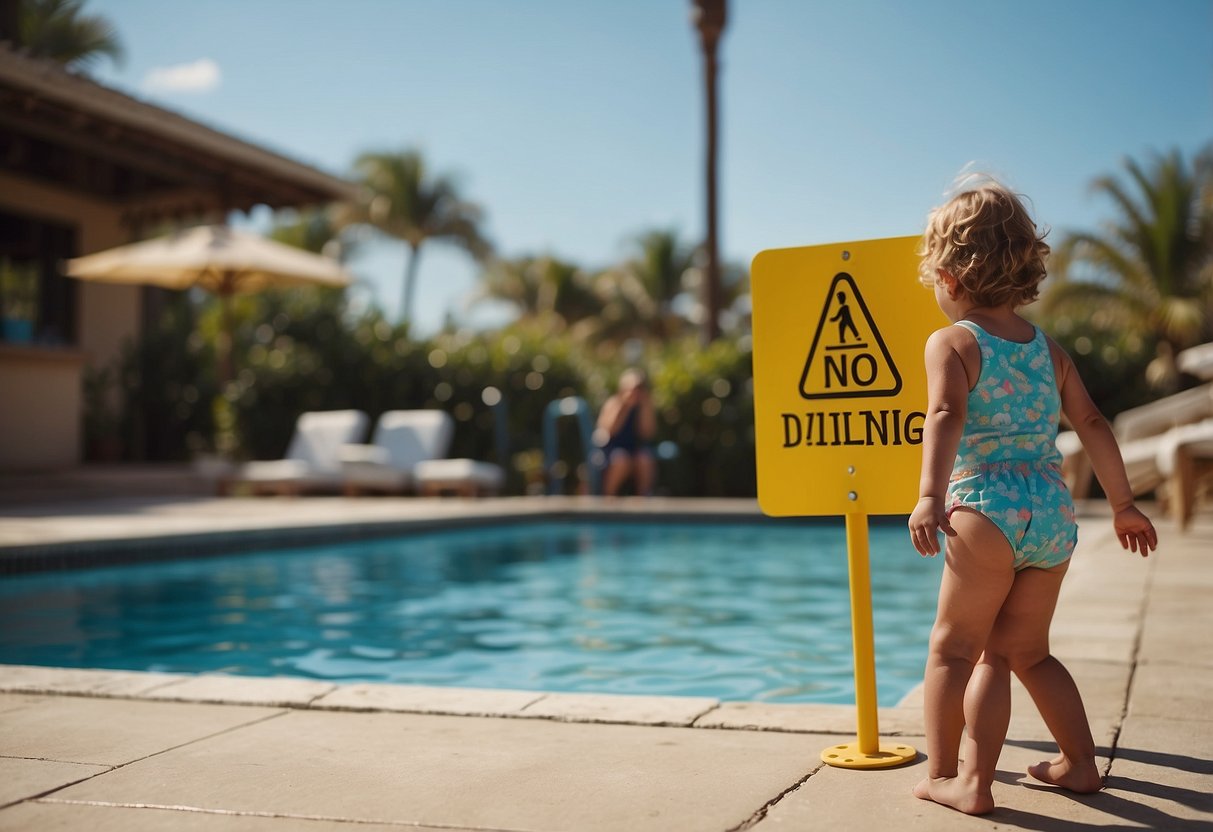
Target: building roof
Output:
[(61, 127)]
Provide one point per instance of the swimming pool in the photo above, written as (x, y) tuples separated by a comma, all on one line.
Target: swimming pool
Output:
[(736, 611)]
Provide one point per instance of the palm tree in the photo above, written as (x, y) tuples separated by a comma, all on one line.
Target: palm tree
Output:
[(56, 30), (648, 282), (709, 18), (405, 201), (541, 287), (1150, 271)]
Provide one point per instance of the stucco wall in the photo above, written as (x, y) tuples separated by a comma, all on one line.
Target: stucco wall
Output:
[(39, 408), (40, 389)]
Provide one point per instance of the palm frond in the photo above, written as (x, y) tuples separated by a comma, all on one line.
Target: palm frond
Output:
[(58, 31)]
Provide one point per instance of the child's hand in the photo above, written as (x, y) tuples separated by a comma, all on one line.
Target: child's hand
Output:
[(1135, 531), (928, 518)]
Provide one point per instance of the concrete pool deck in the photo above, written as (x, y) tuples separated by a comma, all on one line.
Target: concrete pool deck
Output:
[(109, 750)]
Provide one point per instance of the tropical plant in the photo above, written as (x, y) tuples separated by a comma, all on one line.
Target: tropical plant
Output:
[(18, 290), (540, 287), (1149, 272), (404, 200), (314, 230), (639, 295), (58, 31)]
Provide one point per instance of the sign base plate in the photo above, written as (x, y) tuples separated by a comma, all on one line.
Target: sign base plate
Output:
[(849, 756)]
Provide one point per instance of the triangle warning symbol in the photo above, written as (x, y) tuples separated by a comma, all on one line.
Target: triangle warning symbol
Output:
[(848, 358)]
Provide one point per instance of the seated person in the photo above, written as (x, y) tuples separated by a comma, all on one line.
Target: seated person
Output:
[(626, 427)]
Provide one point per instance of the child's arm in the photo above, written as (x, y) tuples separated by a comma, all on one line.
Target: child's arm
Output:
[(1133, 528), (947, 405)]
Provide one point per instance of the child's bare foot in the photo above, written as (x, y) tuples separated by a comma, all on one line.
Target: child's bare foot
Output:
[(1083, 779), (961, 794)]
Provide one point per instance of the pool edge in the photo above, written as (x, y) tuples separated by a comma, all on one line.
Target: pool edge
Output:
[(702, 713)]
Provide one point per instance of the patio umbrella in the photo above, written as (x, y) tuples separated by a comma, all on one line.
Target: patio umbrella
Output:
[(213, 257)]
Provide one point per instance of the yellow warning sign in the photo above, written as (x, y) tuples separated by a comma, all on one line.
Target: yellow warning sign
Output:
[(839, 388)]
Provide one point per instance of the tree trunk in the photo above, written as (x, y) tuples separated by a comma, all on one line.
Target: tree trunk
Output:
[(709, 17), (410, 283)]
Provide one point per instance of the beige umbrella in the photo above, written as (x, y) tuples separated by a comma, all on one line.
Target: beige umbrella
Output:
[(215, 258)]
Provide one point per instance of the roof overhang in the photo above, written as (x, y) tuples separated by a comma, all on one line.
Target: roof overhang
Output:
[(153, 163)]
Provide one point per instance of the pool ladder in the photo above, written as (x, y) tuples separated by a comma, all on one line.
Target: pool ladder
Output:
[(553, 474)]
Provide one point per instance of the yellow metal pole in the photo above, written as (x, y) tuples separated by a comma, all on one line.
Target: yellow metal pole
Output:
[(862, 639), (866, 751)]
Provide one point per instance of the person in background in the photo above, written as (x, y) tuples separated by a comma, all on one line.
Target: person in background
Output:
[(627, 425)]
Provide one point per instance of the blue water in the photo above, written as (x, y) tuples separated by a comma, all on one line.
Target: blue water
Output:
[(747, 611)]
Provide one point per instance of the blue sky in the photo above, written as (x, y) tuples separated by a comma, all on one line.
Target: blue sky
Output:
[(578, 123)]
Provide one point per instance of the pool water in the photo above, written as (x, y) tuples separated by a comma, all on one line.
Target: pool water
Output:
[(744, 611)]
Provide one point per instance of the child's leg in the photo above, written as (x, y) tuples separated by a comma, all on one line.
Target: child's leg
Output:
[(987, 714), (977, 576), (1021, 637)]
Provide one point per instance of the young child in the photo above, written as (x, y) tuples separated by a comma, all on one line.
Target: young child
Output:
[(991, 481)]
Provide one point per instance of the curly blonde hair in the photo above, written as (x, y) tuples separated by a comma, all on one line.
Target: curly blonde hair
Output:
[(985, 238)]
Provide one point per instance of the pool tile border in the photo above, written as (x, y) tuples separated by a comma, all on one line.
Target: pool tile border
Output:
[(302, 694), (275, 532)]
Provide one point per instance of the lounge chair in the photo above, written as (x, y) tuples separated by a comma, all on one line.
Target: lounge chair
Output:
[(312, 460), (1164, 442), (1183, 457), (402, 440), (465, 477)]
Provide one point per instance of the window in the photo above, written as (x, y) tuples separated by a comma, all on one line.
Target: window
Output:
[(37, 301)]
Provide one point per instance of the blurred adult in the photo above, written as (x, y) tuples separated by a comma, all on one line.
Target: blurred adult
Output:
[(626, 428)]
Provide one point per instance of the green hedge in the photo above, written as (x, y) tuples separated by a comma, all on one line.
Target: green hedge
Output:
[(301, 351)]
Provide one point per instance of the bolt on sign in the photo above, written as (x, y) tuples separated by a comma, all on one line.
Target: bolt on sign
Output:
[(840, 393)]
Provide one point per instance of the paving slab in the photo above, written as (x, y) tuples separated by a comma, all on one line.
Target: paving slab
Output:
[(13, 701), (1163, 773), (634, 710), (275, 692), (471, 772), (1173, 640), (1168, 690), (835, 798), (833, 719), (1169, 635), (21, 779), (113, 731), (1092, 635), (48, 816), (422, 699), (32, 679)]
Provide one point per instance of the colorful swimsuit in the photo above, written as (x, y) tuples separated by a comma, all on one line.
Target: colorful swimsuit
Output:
[(1007, 466)]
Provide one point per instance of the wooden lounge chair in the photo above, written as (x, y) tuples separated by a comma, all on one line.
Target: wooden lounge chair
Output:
[(1163, 443)]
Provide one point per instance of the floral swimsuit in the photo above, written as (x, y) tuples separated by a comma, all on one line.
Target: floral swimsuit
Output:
[(1008, 467)]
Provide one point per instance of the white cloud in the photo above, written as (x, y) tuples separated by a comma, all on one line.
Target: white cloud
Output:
[(201, 75)]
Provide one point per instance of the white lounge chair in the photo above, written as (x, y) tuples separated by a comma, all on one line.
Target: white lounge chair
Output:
[(465, 477), (1163, 442), (407, 452), (312, 460), (402, 440)]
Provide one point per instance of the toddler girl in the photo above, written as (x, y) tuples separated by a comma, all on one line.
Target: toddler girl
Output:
[(991, 481)]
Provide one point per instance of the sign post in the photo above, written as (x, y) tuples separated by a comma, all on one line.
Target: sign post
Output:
[(839, 404)]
